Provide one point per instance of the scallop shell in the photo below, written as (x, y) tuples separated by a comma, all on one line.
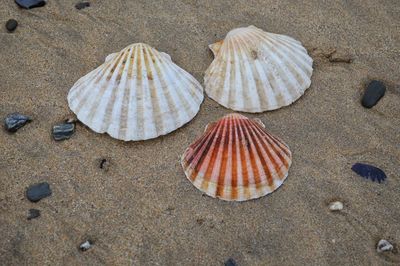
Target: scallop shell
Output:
[(255, 71), (137, 94), (237, 159)]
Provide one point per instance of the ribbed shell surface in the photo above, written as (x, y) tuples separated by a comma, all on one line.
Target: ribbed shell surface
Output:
[(255, 71), (137, 94), (237, 159)]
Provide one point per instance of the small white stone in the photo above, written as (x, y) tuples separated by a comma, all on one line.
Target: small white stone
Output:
[(336, 206), (384, 245), (85, 245)]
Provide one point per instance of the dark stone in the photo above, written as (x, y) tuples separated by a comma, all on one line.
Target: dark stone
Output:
[(82, 5), (38, 191), (15, 121), (230, 262), (11, 25), (104, 164), (374, 92), (369, 172), (33, 213), (63, 131), (30, 3)]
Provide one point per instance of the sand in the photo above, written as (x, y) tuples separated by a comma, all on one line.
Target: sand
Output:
[(143, 211)]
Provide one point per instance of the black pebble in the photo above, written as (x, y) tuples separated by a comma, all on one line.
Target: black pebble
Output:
[(63, 131), (11, 25), (33, 213), (374, 92), (230, 262), (38, 191), (30, 3), (15, 121), (82, 5)]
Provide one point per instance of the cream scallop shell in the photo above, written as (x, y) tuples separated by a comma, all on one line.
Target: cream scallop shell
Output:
[(236, 159), (137, 94), (255, 71)]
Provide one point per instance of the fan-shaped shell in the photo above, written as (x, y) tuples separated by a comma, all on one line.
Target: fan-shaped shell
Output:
[(237, 159), (255, 71), (137, 94)]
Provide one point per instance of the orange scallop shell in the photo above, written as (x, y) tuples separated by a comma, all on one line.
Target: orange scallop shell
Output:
[(236, 159)]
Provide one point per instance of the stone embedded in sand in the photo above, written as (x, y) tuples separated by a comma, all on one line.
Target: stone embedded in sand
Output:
[(82, 5), (85, 245), (63, 131), (33, 213), (336, 206), (384, 245), (30, 3), (369, 172), (230, 262), (104, 164), (15, 121), (38, 191), (374, 92), (11, 25)]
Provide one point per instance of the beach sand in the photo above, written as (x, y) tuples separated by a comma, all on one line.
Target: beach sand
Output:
[(143, 210)]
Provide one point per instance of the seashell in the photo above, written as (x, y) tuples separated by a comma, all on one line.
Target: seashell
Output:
[(137, 94), (255, 71), (236, 159)]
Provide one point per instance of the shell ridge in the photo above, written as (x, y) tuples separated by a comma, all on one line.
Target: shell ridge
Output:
[(119, 115), (132, 88), (259, 159), (208, 169), (177, 95), (251, 84), (162, 82), (271, 159)]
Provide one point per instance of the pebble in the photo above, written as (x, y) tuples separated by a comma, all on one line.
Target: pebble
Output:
[(15, 121), (384, 245), (38, 191), (336, 206), (11, 25), (369, 172), (82, 5), (374, 92), (230, 262), (85, 245), (30, 3), (33, 213), (104, 164), (63, 131)]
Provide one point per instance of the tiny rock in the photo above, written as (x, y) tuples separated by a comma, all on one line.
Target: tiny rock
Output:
[(374, 92), (384, 245), (85, 245), (63, 131), (336, 206), (11, 25), (82, 5), (38, 191), (33, 213), (104, 164), (15, 121), (30, 3), (230, 262)]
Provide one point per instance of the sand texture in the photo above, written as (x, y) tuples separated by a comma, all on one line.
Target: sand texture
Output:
[(142, 210)]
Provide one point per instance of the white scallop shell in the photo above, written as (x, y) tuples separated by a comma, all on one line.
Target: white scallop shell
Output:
[(255, 71), (137, 94)]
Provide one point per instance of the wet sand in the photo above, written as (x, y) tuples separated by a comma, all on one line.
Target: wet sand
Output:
[(143, 210)]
